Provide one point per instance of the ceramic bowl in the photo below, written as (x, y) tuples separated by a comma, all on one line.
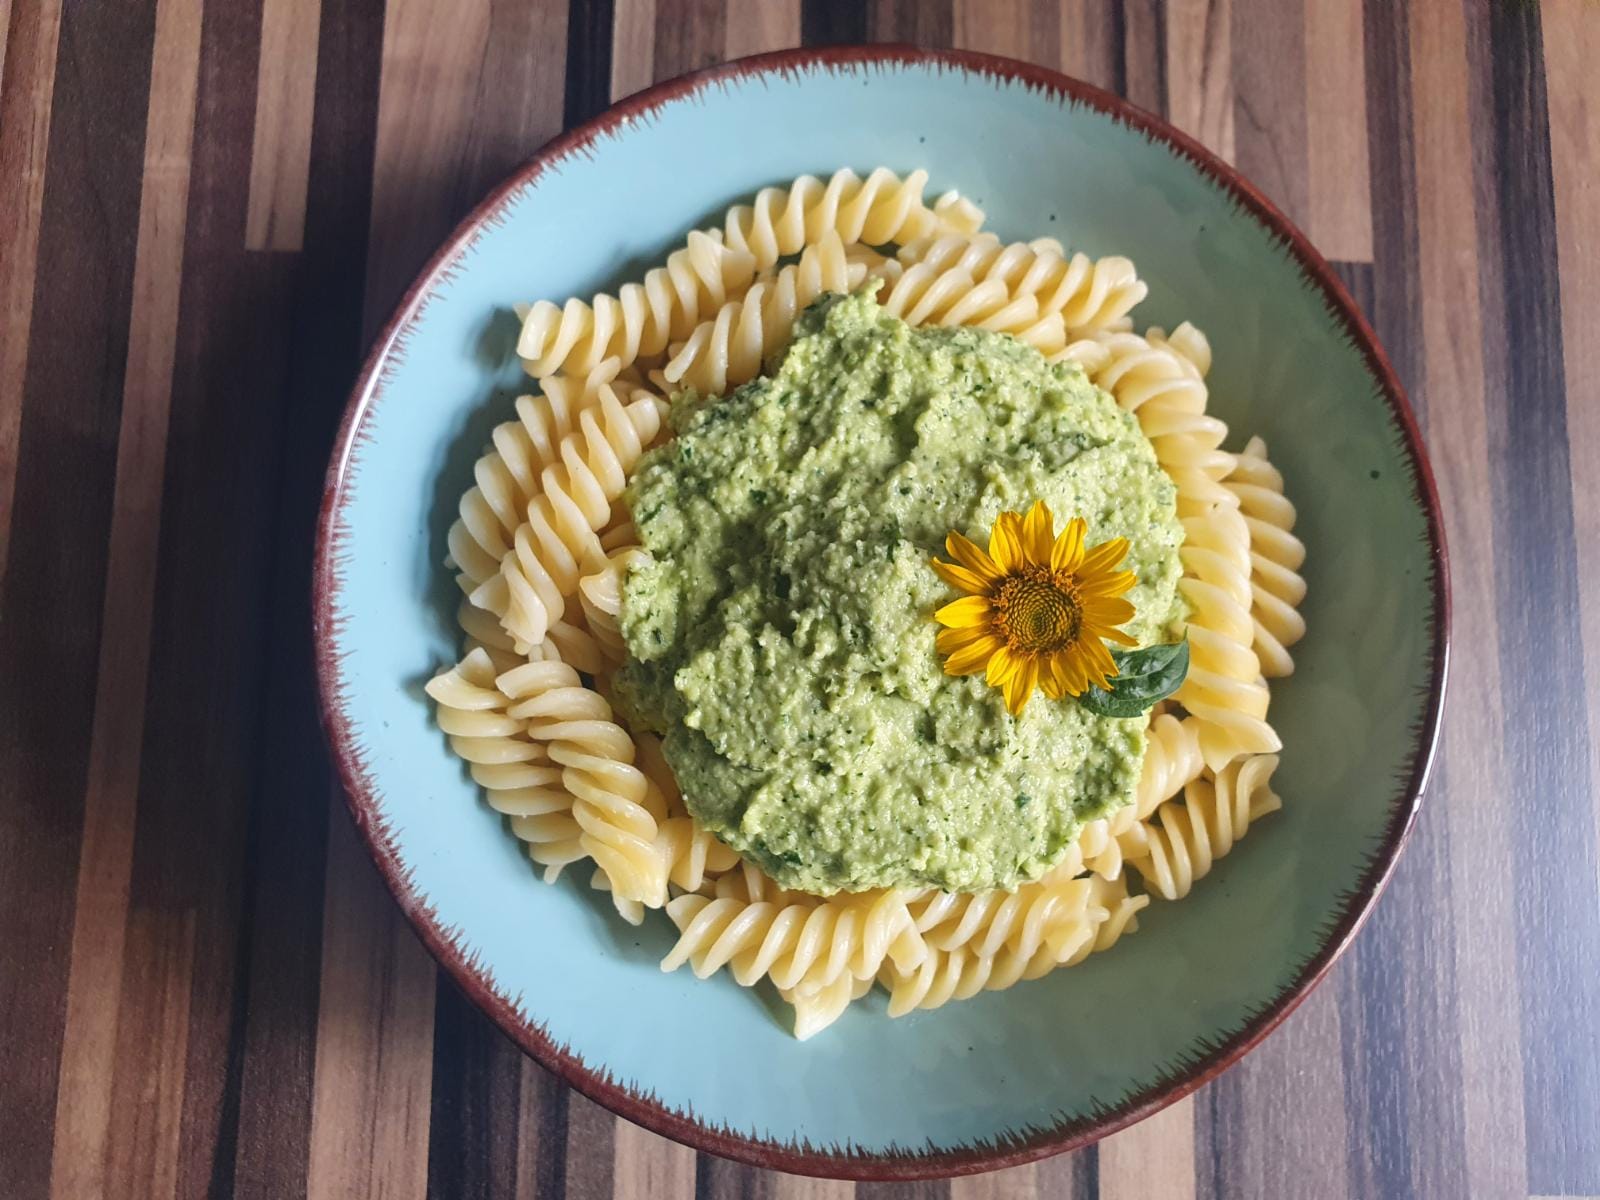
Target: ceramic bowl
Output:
[(1008, 1076)]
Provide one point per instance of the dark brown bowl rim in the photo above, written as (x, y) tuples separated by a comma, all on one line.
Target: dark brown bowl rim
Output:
[(600, 1085)]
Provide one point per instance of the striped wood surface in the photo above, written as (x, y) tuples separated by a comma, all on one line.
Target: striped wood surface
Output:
[(208, 205)]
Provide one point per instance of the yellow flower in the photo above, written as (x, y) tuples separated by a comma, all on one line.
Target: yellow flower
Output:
[(1036, 608)]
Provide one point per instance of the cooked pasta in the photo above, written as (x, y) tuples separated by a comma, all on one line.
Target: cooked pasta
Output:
[(1276, 588), (1185, 838), (729, 349), (717, 265), (1088, 295), (543, 549), (596, 756), (559, 537)]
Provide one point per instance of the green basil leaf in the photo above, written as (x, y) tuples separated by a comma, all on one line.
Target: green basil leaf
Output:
[(1143, 677)]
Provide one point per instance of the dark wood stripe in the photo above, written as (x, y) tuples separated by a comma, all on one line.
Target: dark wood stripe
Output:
[(828, 23), (931, 1189), (590, 1150), (1144, 55), (690, 34), (1537, 588), (50, 610), (1269, 63), (477, 1077), (542, 1137), (287, 838), (924, 22), (588, 74), (201, 716)]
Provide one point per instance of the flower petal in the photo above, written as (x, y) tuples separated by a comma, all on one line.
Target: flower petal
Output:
[(1021, 684), (1067, 552), (1053, 677), (1005, 542), (972, 557), (1001, 666), (967, 611), (1107, 611), (975, 657), (1112, 584), (961, 578), (1037, 533), (949, 641), (1073, 679), (1101, 558)]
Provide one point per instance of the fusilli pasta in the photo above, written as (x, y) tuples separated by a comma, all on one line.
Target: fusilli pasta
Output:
[(542, 528), (1276, 588)]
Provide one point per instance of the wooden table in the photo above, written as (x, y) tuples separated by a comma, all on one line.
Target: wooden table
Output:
[(207, 207)]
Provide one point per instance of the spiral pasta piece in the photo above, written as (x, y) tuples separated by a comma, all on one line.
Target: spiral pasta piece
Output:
[(1186, 838), (600, 597), (927, 295), (815, 1010), (1172, 758), (507, 476), (1089, 295), (806, 944), (1161, 381), (515, 771), (730, 348), (880, 209), (695, 856), (1224, 690), (641, 318), (611, 797), (557, 542), (1276, 587)]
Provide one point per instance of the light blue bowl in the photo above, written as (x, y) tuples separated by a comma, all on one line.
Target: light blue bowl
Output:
[(1008, 1076)]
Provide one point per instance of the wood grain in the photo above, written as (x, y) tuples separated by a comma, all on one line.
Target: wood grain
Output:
[(94, 984), (207, 991), (280, 154)]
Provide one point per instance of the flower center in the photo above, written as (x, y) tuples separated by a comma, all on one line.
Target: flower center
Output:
[(1037, 611)]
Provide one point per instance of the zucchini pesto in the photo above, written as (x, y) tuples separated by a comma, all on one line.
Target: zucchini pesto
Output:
[(780, 635)]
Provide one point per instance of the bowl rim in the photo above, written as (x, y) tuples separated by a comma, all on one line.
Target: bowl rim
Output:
[(597, 1083)]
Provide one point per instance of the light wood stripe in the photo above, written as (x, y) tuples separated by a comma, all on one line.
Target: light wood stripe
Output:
[(1572, 47), (1017, 28), (757, 28), (94, 985), (801, 1187), (280, 153), (28, 67), (369, 1107), (1268, 48), (1153, 1158), (645, 1164), (1019, 1183), (1480, 829), (1339, 205), (142, 1152), (1200, 71), (1087, 48), (633, 42)]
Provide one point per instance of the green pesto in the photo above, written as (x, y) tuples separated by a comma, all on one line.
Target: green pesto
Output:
[(782, 638)]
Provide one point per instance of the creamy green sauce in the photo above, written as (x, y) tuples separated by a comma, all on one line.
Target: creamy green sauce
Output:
[(782, 638)]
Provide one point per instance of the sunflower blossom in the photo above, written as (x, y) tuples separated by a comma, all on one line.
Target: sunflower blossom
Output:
[(1038, 608)]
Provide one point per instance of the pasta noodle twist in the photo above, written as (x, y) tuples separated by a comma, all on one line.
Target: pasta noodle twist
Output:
[(1089, 295), (612, 799), (928, 295), (695, 856), (881, 209), (557, 543), (641, 318), (814, 1011), (1186, 838), (1172, 758), (1161, 382), (1276, 588), (1224, 690), (507, 476), (729, 349), (514, 771), (985, 923), (600, 597), (802, 945)]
